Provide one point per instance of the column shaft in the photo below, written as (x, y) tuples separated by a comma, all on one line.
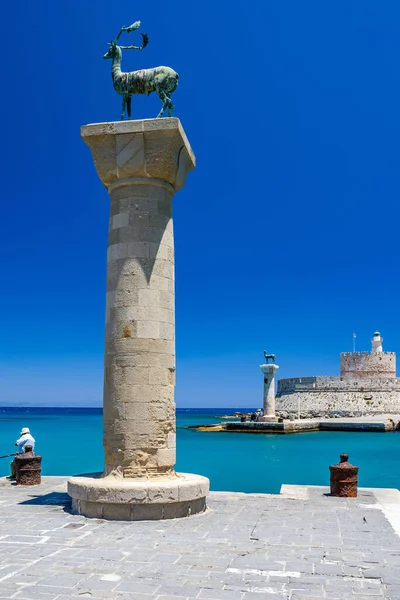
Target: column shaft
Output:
[(269, 395), (269, 371), (139, 374)]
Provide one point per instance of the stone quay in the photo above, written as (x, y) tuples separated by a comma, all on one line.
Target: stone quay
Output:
[(299, 545), (142, 164), (269, 391)]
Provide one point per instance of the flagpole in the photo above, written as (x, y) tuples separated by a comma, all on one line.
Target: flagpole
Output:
[(354, 341)]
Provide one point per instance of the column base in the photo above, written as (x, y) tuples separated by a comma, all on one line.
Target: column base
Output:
[(269, 418), (138, 499)]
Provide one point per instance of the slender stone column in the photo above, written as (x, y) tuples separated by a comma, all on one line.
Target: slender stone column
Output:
[(139, 411), (269, 391), (142, 164)]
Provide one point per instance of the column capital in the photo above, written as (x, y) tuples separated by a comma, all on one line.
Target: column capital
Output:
[(149, 148), (269, 369)]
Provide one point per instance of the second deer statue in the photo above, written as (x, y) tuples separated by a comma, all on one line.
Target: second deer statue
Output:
[(162, 80)]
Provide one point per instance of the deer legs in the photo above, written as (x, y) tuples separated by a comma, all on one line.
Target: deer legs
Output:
[(126, 104), (170, 107), (165, 99), (167, 103), (124, 101)]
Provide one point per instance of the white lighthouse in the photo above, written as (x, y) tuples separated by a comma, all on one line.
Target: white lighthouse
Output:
[(377, 343)]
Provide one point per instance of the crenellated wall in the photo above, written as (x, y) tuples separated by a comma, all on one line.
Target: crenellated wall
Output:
[(338, 384), (368, 365)]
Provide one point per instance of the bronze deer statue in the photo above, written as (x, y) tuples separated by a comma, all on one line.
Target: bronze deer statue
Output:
[(162, 80), (269, 356)]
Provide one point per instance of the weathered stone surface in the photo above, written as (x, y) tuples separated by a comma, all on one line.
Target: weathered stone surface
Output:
[(368, 365), (269, 372), (181, 487), (371, 423), (337, 396), (367, 386), (301, 544), (155, 148), (142, 164)]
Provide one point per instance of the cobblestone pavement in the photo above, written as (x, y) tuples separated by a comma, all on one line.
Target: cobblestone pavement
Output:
[(246, 547)]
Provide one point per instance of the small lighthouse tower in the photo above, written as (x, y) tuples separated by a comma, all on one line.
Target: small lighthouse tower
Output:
[(377, 343)]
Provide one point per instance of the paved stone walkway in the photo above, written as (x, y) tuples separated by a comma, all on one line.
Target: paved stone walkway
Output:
[(246, 547)]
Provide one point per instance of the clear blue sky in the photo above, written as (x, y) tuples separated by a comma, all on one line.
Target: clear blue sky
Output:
[(287, 232)]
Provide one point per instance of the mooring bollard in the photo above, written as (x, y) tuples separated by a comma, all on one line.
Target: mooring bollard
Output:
[(28, 468), (344, 478)]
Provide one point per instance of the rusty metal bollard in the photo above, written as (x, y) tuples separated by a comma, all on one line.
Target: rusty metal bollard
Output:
[(28, 468), (344, 478)]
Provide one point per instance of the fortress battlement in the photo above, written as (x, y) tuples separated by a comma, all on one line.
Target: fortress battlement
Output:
[(335, 383), (368, 365), (367, 384), (365, 353)]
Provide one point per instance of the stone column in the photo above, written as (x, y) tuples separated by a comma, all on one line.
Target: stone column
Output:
[(142, 164), (269, 391)]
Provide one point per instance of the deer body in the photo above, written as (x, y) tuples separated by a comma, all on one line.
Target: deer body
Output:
[(162, 80), (269, 356)]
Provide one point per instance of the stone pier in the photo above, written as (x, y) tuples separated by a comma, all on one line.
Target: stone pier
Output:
[(300, 545), (269, 392), (142, 164)]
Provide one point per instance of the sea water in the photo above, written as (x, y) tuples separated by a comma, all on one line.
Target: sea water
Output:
[(70, 441)]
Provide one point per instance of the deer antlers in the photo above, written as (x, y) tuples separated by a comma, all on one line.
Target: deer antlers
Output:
[(133, 27)]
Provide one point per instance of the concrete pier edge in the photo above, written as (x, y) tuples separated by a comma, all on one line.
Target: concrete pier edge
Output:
[(382, 424)]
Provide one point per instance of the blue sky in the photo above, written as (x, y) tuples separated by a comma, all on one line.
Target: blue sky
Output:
[(287, 231)]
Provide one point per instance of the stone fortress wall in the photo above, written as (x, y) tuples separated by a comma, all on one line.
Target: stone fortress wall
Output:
[(367, 385), (336, 397), (368, 364)]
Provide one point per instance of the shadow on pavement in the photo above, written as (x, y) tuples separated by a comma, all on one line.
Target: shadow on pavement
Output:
[(55, 498)]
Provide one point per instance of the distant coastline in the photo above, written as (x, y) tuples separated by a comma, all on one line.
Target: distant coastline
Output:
[(99, 410)]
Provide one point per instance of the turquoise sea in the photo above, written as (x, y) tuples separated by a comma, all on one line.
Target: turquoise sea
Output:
[(70, 441)]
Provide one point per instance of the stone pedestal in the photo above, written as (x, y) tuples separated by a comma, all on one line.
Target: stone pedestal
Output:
[(269, 392), (142, 164)]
